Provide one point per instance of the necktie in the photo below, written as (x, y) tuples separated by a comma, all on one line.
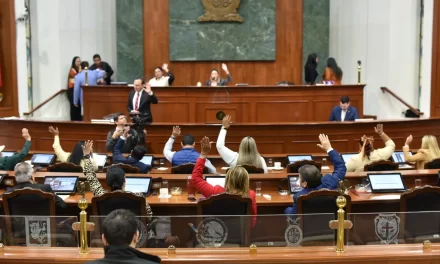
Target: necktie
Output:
[(137, 101)]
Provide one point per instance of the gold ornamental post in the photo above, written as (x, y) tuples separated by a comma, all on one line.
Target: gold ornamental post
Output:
[(83, 226), (87, 75), (359, 71), (341, 224)]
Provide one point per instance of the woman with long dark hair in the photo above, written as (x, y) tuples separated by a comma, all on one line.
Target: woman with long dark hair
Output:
[(75, 68), (310, 71), (333, 72)]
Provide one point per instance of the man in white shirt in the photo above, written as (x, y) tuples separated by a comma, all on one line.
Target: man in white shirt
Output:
[(140, 99), (159, 79), (187, 154)]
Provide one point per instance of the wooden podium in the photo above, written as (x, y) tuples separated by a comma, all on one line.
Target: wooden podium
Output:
[(246, 104)]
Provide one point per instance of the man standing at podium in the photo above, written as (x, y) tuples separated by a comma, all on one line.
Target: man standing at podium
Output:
[(140, 99)]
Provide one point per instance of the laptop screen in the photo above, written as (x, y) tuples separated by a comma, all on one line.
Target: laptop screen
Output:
[(100, 159), (1, 177), (390, 182), (62, 184), (216, 180), (147, 160), (138, 184), (347, 157), (7, 153), (399, 157), (293, 159), (42, 159)]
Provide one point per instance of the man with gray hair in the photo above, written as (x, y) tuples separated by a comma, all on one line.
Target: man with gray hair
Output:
[(24, 177)]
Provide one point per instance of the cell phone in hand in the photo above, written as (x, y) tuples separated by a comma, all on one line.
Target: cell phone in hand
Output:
[(192, 199)]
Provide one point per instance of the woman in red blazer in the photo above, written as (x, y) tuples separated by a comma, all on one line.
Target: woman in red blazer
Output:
[(237, 180)]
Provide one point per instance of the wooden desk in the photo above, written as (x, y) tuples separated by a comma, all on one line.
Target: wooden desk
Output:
[(246, 104), (381, 254), (282, 138)]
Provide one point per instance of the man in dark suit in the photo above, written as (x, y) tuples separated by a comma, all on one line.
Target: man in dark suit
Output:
[(344, 112), (24, 174), (102, 65), (140, 99)]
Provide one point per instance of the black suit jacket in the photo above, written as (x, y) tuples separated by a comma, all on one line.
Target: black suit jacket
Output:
[(105, 67), (144, 103), (59, 203)]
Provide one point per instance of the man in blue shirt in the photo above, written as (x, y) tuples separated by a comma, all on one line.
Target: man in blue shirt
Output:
[(80, 80), (311, 178), (137, 154)]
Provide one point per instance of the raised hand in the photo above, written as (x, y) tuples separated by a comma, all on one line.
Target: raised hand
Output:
[(147, 88), (225, 68), (206, 147), (87, 148), (408, 140), (126, 132), (25, 134), (54, 131), (379, 129), (118, 132), (165, 67), (227, 121), (176, 131), (325, 142)]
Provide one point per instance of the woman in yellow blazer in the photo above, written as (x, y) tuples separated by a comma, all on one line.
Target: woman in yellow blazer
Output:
[(426, 153), (333, 72), (76, 157)]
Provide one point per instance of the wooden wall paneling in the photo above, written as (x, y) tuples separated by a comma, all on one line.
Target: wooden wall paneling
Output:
[(288, 64), (435, 78), (8, 59)]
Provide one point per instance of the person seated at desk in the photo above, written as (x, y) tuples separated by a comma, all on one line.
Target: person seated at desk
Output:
[(215, 79), (426, 153), (140, 99), (344, 112), (8, 163), (310, 71), (248, 153), (120, 236), (187, 154), (236, 181), (24, 173), (76, 157), (311, 179), (332, 72), (113, 135), (159, 79), (137, 154), (368, 154)]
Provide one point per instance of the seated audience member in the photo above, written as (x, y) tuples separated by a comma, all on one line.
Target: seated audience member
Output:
[(159, 80), (8, 163), (236, 182), (332, 72), (310, 71), (80, 80), (113, 135), (368, 154), (344, 112), (24, 175), (187, 154), (137, 153), (76, 157), (426, 153), (215, 79), (120, 236), (311, 178), (248, 153)]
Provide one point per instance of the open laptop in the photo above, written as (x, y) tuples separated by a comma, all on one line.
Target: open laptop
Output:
[(138, 185), (100, 159), (399, 157), (347, 156), (294, 185), (7, 153), (62, 185), (147, 160), (43, 160), (295, 158), (386, 182), (216, 180), (2, 176)]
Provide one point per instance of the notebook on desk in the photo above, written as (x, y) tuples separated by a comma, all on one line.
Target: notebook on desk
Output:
[(399, 157), (100, 159)]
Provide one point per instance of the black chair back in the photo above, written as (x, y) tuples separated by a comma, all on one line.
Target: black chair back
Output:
[(433, 164), (381, 165), (250, 169), (186, 168), (64, 167), (125, 167)]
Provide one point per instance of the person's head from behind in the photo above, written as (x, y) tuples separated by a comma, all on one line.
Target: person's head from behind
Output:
[(366, 146), (76, 63), (188, 141), (430, 142), (344, 103), (115, 178), (138, 152), (23, 172), (312, 60), (120, 119), (120, 229), (77, 153), (332, 64), (237, 181), (138, 85), (84, 65), (248, 153), (158, 72), (97, 59), (309, 176), (215, 75)]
